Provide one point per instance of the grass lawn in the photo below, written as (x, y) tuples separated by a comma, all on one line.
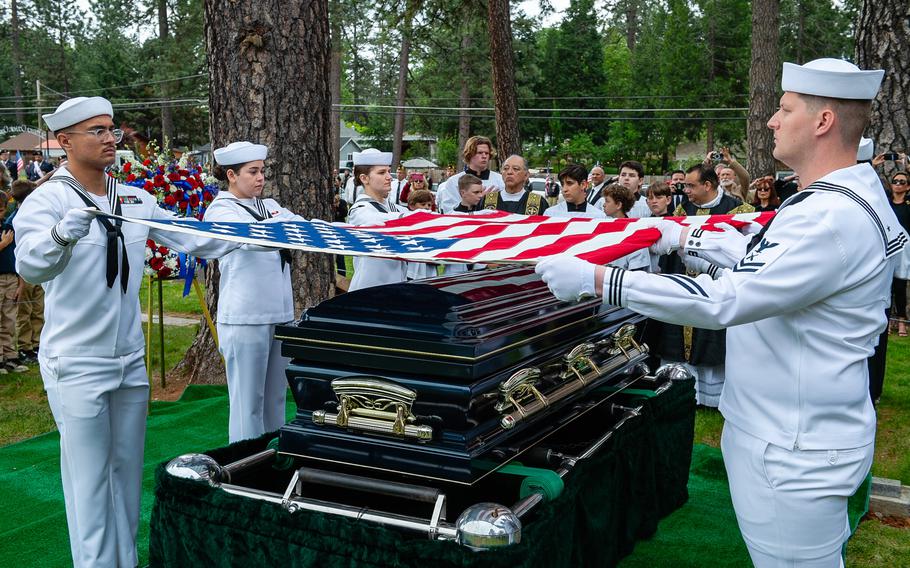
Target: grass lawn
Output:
[(874, 543), (24, 413), (172, 292)]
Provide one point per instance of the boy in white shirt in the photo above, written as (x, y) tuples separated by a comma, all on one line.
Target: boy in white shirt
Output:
[(574, 180)]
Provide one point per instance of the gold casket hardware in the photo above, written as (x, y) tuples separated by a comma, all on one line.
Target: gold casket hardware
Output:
[(520, 388), (374, 405), (520, 398), (579, 363), (623, 340)]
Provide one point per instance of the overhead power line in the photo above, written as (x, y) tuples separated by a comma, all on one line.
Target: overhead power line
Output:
[(624, 110)]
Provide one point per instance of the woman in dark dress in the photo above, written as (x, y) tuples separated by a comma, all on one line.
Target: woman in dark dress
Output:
[(899, 187)]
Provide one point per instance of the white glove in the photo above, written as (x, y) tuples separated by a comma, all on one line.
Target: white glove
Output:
[(700, 265), (569, 278), (669, 237), (74, 225), (724, 248)]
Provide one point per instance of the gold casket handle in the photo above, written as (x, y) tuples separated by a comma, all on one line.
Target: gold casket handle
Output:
[(374, 405), (580, 371)]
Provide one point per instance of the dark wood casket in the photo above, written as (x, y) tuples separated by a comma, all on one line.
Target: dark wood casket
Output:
[(452, 377), (474, 409)]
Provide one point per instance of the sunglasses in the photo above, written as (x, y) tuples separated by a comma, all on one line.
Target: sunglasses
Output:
[(899, 182)]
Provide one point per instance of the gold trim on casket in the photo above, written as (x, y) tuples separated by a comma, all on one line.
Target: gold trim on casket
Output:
[(375, 406)]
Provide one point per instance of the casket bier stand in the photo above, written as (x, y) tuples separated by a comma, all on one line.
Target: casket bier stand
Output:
[(475, 410)]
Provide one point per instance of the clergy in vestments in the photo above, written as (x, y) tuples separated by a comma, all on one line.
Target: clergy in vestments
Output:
[(702, 350), (515, 198)]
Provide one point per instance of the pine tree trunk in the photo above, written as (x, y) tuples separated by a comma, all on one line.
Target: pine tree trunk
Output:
[(881, 43), (335, 84), (17, 61), (167, 114), (401, 98), (464, 97), (64, 73), (764, 82), (631, 23), (269, 63), (505, 98)]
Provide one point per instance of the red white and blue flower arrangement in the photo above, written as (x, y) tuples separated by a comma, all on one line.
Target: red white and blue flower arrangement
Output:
[(179, 187)]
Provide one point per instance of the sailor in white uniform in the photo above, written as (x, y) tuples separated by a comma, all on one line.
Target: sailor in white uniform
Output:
[(371, 170), (254, 296), (804, 308), (92, 347)]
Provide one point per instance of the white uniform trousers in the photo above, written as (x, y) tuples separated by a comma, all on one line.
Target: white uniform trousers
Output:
[(791, 505), (100, 406), (256, 379)]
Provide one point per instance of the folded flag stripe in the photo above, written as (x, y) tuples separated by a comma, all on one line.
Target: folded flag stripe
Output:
[(427, 237)]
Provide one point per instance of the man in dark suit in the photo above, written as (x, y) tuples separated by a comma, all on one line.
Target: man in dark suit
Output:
[(9, 162)]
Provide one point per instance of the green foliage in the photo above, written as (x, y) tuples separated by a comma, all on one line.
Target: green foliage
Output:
[(816, 28), (687, 54), (447, 151)]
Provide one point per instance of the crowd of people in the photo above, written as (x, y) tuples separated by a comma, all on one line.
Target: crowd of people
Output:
[(21, 303)]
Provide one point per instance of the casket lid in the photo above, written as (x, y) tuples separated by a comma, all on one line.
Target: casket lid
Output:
[(468, 310)]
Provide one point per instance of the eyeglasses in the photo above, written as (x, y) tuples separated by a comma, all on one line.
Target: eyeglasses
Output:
[(512, 169), (899, 182), (763, 189), (101, 133)]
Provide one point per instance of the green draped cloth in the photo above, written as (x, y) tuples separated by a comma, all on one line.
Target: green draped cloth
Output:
[(610, 501)]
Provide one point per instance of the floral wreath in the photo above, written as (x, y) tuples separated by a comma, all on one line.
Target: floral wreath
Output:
[(179, 187)]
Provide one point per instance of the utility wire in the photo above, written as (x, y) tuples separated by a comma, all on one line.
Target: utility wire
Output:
[(409, 107)]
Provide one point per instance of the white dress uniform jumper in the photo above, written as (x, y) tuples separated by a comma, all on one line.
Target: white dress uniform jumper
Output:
[(255, 294), (808, 303), (92, 353)]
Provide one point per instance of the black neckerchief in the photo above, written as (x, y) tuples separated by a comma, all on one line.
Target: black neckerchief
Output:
[(111, 229), (378, 206), (261, 213), (482, 175)]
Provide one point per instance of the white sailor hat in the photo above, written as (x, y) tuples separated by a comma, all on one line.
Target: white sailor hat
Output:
[(372, 157), (866, 150), (74, 111), (834, 78), (240, 153)]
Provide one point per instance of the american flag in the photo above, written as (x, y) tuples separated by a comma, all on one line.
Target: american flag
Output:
[(482, 238), (20, 166)]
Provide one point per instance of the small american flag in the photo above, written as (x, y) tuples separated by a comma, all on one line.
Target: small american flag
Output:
[(481, 238), (20, 166)]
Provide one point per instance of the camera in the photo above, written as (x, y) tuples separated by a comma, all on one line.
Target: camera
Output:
[(891, 156), (679, 187), (717, 156)]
